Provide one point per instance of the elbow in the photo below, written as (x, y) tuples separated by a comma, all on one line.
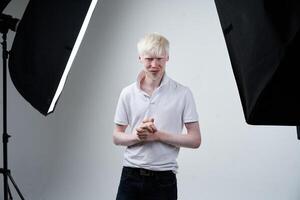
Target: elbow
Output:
[(196, 144), (115, 140)]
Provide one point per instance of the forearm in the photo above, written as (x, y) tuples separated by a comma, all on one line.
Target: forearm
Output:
[(179, 140), (123, 139)]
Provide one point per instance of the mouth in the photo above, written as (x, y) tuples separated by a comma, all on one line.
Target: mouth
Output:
[(154, 70)]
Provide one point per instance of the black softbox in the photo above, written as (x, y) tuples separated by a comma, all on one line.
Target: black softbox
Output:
[(263, 42), (44, 48), (3, 4)]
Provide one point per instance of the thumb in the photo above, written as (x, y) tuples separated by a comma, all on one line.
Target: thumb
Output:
[(148, 120)]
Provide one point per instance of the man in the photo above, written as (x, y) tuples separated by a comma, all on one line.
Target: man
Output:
[(155, 107)]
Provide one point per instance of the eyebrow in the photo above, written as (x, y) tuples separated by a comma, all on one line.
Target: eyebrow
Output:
[(151, 57)]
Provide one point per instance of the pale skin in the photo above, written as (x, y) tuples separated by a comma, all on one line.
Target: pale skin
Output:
[(154, 67)]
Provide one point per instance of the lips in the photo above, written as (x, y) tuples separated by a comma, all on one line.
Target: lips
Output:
[(154, 69)]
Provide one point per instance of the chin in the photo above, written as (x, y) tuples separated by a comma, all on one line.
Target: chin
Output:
[(156, 76)]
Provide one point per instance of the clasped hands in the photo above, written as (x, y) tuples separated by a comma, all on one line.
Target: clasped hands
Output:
[(147, 130)]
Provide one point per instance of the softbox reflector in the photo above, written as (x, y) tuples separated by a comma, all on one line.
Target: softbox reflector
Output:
[(263, 42), (45, 45)]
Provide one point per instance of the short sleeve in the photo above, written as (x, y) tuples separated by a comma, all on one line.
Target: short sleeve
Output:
[(190, 113), (121, 114)]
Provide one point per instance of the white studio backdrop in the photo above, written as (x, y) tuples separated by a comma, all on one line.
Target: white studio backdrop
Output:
[(69, 155)]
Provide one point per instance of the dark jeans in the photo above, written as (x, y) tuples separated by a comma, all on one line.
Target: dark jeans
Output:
[(142, 184)]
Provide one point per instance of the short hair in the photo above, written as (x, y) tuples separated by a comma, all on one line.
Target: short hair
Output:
[(153, 44)]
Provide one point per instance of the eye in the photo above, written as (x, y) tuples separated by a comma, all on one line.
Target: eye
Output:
[(148, 59)]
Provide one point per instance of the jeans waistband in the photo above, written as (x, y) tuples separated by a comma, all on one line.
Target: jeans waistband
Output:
[(146, 172)]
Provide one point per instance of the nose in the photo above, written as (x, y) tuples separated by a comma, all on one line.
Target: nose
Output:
[(155, 62)]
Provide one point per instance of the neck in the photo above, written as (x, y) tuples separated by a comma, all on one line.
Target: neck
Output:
[(151, 81)]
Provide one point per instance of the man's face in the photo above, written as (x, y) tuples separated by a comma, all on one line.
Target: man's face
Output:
[(154, 66)]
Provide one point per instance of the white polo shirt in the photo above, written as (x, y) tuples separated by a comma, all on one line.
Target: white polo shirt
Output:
[(171, 105)]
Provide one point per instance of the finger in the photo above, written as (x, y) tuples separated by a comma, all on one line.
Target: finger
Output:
[(142, 137), (148, 128), (140, 130), (153, 128), (140, 133), (149, 123), (144, 132), (148, 120), (142, 126)]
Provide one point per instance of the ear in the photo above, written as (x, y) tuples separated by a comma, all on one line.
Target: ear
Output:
[(140, 59), (168, 58)]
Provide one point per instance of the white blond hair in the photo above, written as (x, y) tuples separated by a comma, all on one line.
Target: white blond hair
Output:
[(153, 44)]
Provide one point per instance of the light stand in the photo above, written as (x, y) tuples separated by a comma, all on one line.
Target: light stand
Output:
[(6, 23), (62, 25)]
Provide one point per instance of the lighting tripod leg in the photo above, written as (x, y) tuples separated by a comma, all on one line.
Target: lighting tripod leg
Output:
[(16, 187), (9, 193)]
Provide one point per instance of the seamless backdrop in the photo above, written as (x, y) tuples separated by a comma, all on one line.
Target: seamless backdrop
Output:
[(69, 155)]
